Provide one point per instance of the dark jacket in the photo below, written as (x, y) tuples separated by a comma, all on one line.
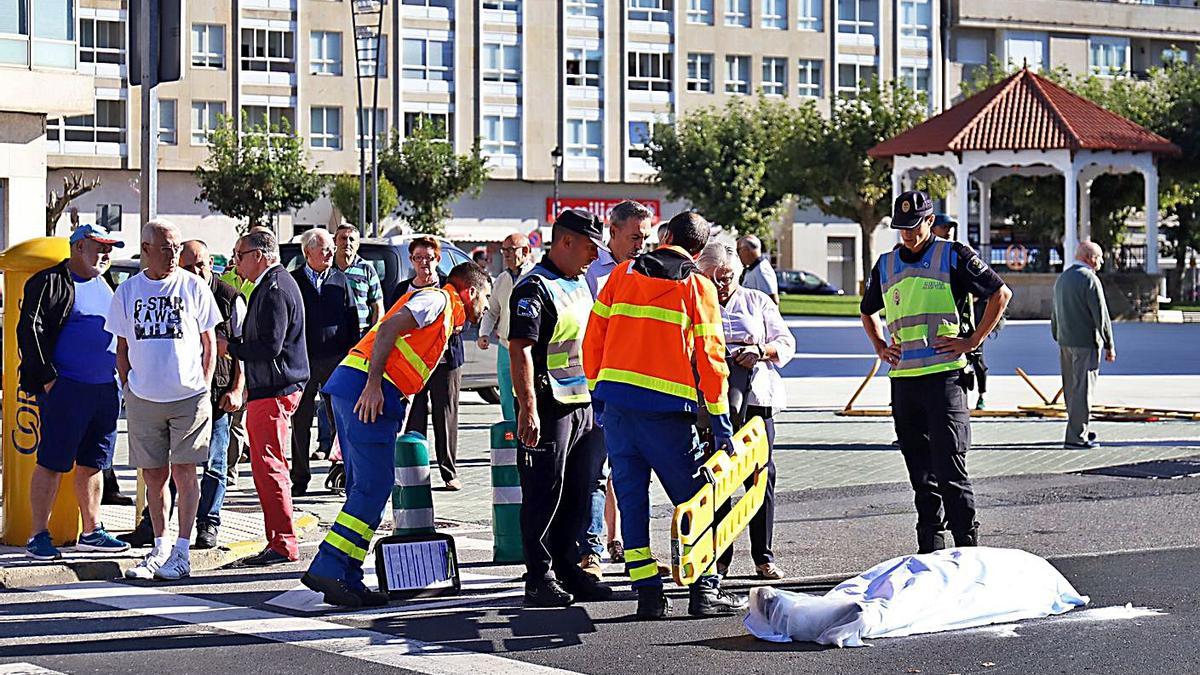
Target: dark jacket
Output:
[(455, 354), (45, 308), (330, 314), (272, 344), (227, 299)]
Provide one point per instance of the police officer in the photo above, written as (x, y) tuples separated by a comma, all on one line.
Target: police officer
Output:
[(919, 286), (560, 451), (944, 226)]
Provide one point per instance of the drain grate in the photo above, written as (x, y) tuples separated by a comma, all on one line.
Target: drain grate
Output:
[(1158, 469)]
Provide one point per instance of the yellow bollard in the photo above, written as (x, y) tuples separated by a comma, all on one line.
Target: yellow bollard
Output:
[(22, 426)]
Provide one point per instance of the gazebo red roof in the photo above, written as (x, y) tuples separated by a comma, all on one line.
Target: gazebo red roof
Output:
[(1025, 112)]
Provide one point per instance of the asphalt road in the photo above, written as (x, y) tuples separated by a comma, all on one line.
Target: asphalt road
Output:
[(1117, 540)]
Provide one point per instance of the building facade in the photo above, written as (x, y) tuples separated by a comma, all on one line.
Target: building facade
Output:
[(590, 77)]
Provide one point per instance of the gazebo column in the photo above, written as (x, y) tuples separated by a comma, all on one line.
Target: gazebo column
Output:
[(897, 187), (1070, 214), (962, 191), (985, 220), (1151, 177), (1085, 209)]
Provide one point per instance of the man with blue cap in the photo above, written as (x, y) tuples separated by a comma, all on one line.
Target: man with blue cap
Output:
[(946, 227), (919, 286)]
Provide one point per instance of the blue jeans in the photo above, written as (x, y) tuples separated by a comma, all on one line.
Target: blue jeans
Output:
[(324, 429), (212, 481), (592, 539), (508, 402)]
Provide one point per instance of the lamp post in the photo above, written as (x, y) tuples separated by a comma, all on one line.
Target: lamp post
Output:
[(556, 156)]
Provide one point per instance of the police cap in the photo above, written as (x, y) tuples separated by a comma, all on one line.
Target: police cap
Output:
[(909, 209)]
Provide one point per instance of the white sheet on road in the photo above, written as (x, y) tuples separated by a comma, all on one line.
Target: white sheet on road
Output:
[(947, 590)]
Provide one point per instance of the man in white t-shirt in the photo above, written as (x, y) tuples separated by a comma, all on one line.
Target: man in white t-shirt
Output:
[(758, 274), (164, 320)]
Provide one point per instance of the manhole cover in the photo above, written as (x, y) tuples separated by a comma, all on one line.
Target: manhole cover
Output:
[(1164, 468)]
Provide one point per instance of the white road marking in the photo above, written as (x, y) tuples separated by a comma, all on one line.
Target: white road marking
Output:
[(323, 636), (26, 669), (823, 355)]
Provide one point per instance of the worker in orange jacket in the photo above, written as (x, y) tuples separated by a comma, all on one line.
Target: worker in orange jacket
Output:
[(655, 327)]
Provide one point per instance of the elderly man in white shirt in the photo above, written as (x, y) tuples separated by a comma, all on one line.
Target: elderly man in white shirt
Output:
[(758, 275), (758, 344), (518, 260)]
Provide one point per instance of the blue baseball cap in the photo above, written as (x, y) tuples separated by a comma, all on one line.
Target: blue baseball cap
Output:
[(96, 233), (909, 209), (943, 220)]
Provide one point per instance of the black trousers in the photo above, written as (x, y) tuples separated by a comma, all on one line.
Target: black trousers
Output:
[(762, 525), (302, 420), (934, 428), (981, 371), (557, 478), (440, 396)]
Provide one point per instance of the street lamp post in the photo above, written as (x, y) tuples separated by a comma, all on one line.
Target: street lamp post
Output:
[(556, 156)]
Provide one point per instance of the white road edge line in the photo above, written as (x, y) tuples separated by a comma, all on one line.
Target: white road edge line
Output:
[(308, 633)]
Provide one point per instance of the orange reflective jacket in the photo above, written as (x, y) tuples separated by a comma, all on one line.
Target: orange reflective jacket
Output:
[(649, 338), (417, 353)]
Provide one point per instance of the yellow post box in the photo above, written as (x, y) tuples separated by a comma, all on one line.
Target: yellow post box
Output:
[(22, 426)]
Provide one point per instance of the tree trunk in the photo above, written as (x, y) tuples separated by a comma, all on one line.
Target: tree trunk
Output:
[(867, 223)]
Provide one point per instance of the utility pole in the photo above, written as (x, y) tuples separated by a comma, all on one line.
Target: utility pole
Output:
[(367, 20), (148, 37)]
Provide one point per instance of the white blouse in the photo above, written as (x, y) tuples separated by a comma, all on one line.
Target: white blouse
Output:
[(750, 317)]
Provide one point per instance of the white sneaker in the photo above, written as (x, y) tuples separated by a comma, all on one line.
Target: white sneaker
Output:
[(178, 566), (147, 567)]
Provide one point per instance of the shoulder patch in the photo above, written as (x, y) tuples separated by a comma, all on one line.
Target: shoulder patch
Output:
[(976, 266), (528, 308)]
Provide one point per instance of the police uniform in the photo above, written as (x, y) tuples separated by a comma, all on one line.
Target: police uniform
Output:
[(969, 311), (557, 475), (920, 294)]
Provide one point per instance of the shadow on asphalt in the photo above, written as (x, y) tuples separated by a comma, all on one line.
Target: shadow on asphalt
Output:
[(464, 630), (749, 643)]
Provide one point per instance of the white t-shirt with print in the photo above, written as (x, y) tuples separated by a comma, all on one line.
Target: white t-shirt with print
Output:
[(162, 322)]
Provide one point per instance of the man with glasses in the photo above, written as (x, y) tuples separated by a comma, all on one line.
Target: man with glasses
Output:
[(165, 321), (440, 395), (518, 260), (276, 362)]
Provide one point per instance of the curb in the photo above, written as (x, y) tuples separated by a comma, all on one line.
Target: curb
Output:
[(69, 572)]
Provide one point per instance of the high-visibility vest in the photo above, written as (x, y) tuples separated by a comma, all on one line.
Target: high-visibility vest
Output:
[(648, 333), (918, 305), (416, 354), (564, 352)]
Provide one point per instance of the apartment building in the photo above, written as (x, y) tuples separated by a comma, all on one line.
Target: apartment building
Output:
[(590, 77)]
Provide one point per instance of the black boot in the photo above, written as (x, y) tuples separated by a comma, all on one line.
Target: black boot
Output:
[(333, 591), (710, 601), (652, 603), (930, 539), (547, 593), (142, 535), (968, 538), (111, 493), (206, 536), (585, 587)]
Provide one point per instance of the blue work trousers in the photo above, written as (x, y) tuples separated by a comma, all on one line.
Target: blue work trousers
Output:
[(368, 451)]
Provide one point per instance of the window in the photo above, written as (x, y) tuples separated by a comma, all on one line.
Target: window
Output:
[(774, 76), (809, 13), (427, 59), (592, 8), (502, 5), (325, 53), (445, 4), (583, 67), (268, 50), (166, 122), (501, 135), (1175, 54), (325, 126), (916, 78), (737, 74), (700, 11), (585, 138), (808, 76), (1109, 56), (851, 76), (1025, 48), (54, 41), (915, 18), (649, 10), (699, 73), (204, 119), (639, 136), (737, 13), (501, 63), (415, 120), (858, 16), (649, 71), (14, 17), (375, 121), (108, 216), (99, 41), (275, 117), (775, 14), (208, 46), (372, 53), (107, 125)]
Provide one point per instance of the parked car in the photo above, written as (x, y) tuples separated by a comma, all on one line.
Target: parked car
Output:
[(389, 255), (804, 283)]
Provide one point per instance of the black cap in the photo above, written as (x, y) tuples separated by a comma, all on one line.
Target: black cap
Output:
[(909, 209), (943, 220), (582, 222)]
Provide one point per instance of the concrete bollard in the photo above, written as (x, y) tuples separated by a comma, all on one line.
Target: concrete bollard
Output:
[(506, 495), (412, 498)]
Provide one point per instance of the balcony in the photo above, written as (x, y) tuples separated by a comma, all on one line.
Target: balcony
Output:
[(1165, 19)]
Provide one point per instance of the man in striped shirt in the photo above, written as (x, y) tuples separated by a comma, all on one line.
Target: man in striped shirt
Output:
[(364, 280)]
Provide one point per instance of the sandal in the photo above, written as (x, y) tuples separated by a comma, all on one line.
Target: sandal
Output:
[(769, 571), (616, 551)]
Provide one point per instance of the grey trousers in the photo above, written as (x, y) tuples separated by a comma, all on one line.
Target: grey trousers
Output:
[(1080, 365)]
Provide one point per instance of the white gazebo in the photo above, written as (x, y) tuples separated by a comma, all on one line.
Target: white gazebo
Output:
[(1027, 125)]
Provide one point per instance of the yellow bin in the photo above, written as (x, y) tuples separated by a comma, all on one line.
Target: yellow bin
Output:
[(22, 426)]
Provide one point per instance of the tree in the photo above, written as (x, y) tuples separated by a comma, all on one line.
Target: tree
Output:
[(428, 175), (717, 159), (1179, 86), (256, 174), (74, 186), (344, 195), (825, 162)]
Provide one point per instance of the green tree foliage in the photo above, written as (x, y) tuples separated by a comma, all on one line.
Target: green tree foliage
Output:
[(936, 185), (1179, 87), (254, 175), (717, 159), (344, 195), (825, 162), (428, 175)]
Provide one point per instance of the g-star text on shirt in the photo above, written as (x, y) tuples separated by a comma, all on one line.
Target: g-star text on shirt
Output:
[(158, 318)]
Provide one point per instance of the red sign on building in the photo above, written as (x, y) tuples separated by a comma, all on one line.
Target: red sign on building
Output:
[(600, 207)]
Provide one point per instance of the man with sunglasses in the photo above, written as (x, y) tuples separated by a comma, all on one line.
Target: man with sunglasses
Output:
[(518, 260)]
